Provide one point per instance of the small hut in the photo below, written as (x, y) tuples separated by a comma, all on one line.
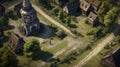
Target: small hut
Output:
[(93, 18), (86, 7)]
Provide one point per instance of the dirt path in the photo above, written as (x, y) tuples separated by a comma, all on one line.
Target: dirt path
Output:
[(52, 20), (99, 47)]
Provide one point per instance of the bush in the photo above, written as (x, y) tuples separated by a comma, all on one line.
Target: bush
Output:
[(107, 47), (12, 15), (72, 25), (55, 11), (3, 21)]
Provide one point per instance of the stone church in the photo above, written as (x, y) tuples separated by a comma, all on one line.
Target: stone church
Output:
[(30, 22)]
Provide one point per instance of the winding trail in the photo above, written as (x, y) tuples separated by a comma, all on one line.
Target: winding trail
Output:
[(40, 11), (99, 47)]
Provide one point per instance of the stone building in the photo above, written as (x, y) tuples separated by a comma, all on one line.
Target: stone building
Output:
[(2, 10), (86, 7), (93, 18), (95, 4), (112, 59), (30, 22), (1, 34), (16, 43), (71, 7)]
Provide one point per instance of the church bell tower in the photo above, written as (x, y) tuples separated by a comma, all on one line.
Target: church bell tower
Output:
[(30, 22)]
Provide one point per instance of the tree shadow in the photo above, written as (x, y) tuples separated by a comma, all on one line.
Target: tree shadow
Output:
[(117, 30), (77, 13), (44, 56)]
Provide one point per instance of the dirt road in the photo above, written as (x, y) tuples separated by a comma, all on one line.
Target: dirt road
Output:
[(99, 47), (52, 20)]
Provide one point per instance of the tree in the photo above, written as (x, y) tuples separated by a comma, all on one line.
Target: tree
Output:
[(31, 48), (7, 58), (3, 21), (97, 32), (118, 38), (104, 8), (45, 3), (11, 14), (111, 16), (55, 11), (61, 15), (68, 20)]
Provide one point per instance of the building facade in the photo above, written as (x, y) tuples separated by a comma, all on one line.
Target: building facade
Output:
[(30, 21), (16, 43)]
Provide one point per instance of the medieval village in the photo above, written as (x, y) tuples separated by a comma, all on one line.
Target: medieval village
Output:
[(59, 33)]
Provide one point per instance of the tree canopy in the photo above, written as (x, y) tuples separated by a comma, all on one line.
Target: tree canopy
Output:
[(45, 3), (104, 8), (7, 58), (111, 16), (31, 48)]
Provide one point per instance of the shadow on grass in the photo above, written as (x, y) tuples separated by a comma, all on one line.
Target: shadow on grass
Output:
[(117, 30), (44, 56)]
